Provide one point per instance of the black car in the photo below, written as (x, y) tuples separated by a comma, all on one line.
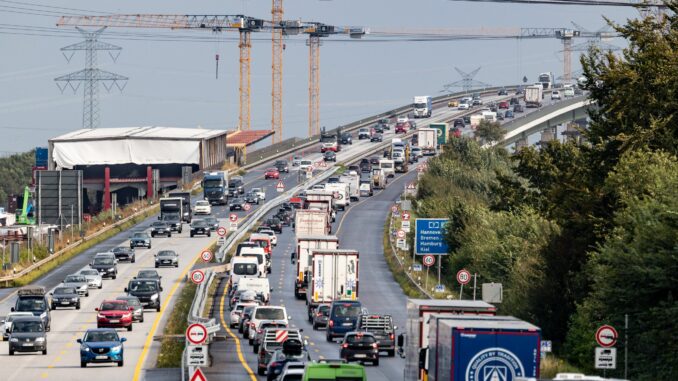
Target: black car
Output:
[(320, 316), (282, 166), (161, 228), (378, 128), (287, 206), (235, 204), (514, 101), (493, 108), (365, 165), (65, 297), (105, 265), (360, 346), (27, 334), (377, 138), (502, 92), (166, 258), (467, 119), (251, 198), (147, 291), (459, 123), (330, 156), (245, 319), (346, 138), (212, 222), (149, 274), (518, 108), (124, 254), (374, 160), (200, 227), (274, 224), (284, 217), (235, 187), (354, 168)]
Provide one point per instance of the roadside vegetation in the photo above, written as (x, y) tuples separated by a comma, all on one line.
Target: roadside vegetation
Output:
[(15, 173), (581, 234), (172, 342)]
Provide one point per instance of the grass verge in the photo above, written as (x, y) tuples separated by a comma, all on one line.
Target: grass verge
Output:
[(171, 347), (410, 289), (47, 267), (552, 365)]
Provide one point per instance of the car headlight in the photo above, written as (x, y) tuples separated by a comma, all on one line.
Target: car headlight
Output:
[(84, 348), (43, 315), (100, 316), (127, 315), (39, 339), (74, 299), (154, 296), (117, 348), (14, 340)]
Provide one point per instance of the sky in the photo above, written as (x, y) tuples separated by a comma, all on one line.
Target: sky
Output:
[(173, 83)]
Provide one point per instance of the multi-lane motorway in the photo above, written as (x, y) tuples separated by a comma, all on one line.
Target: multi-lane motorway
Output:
[(360, 227)]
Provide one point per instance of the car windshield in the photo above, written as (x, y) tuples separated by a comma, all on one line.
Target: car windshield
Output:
[(89, 272), (104, 261), (120, 250), (245, 269), (114, 306), (100, 336), (143, 286), (360, 339), (147, 274), (347, 310), (139, 235), (198, 223), (306, 162), (31, 305), (202, 203), (167, 253), (27, 326), (64, 290), (159, 224), (325, 310), (270, 314), (75, 279)]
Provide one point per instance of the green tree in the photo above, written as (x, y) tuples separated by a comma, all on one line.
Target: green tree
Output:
[(489, 131), (15, 173)]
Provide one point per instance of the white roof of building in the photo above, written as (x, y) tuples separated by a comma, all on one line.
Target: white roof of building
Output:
[(147, 132)]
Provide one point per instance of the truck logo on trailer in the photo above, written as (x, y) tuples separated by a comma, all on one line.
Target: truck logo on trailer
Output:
[(494, 364)]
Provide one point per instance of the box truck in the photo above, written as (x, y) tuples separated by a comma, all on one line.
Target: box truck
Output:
[(427, 140), (442, 129), (333, 276), (312, 222), (353, 181), (171, 210), (533, 96), (305, 244), (341, 193)]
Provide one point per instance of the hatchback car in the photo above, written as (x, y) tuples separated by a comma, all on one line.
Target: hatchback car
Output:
[(94, 279), (272, 173), (124, 254), (282, 166), (101, 346), (166, 258), (555, 95), (330, 156), (78, 282), (161, 228), (27, 334), (250, 198), (360, 346), (200, 227), (320, 316), (377, 138), (65, 297), (202, 207), (114, 314), (133, 302)]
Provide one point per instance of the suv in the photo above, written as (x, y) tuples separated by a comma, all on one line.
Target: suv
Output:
[(282, 166), (200, 227), (34, 300), (166, 258), (360, 346), (343, 318), (27, 335), (149, 274), (363, 133), (147, 291), (381, 326), (106, 265), (346, 138), (140, 239), (161, 228), (265, 313), (274, 224)]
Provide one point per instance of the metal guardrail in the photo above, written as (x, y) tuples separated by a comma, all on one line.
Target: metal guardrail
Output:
[(400, 263)]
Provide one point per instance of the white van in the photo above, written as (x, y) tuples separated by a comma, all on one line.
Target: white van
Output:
[(387, 166), (266, 313), (260, 254), (258, 285), (244, 267)]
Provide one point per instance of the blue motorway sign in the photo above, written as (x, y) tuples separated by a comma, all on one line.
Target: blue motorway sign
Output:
[(429, 236)]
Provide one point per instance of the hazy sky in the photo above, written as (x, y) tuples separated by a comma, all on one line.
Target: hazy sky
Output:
[(172, 83)]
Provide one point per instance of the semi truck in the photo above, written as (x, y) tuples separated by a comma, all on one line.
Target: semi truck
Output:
[(341, 193), (481, 348), (333, 276), (312, 222), (423, 106), (419, 311), (321, 199), (215, 187), (533, 96), (427, 140), (305, 244), (187, 212), (171, 210), (330, 141)]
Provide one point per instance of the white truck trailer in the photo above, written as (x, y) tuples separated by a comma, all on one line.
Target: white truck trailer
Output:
[(428, 140), (305, 244), (333, 276)]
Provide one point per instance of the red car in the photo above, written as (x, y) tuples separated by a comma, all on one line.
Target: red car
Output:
[(504, 104), (272, 173), (114, 314), (402, 128)]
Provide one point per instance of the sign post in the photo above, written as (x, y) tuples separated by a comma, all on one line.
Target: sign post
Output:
[(428, 261), (463, 277)]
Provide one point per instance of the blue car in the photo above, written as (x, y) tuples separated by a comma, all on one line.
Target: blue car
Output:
[(343, 318), (101, 345)]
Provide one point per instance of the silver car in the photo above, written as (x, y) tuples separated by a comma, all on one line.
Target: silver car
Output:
[(94, 280), (77, 281), (133, 302), (236, 313)]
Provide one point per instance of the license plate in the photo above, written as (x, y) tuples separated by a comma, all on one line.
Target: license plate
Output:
[(101, 357), (347, 324), (114, 321), (360, 356), (28, 344), (64, 302)]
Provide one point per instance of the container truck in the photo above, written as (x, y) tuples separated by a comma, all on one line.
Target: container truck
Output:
[(341, 193), (479, 348), (353, 181), (333, 276), (427, 140), (533, 96), (305, 244), (419, 312), (171, 210), (187, 212), (215, 187), (442, 128), (423, 106), (312, 222), (321, 199)]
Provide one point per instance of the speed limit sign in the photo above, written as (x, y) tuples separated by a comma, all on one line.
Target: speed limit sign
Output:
[(428, 260), (197, 276), (463, 276)]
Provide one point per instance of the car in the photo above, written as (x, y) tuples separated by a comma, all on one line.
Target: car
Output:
[(555, 94), (330, 156), (250, 198), (135, 304), (237, 203), (34, 300), (385, 122), (236, 186), (101, 346), (343, 318), (202, 207), (500, 115), (6, 323), (381, 326), (296, 161), (124, 254), (274, 224), (292, 371), (504, 105), (417, 152), (459, 122), (270, 233), (463, 106), (65, 297), (212, 222), (236, 312), (160, 228), (200, 227), (519, 90), (377, 138), (320, 316), (166, 258), (149, 274), (106, 265), (518, 108), (260, 192), (292, 351), (265, 313), (27, 334), (261, 331), (94, 279), (269, 345), (272, 173), (402, 127), (147, 291), (282, 166), (346, 138), (477, 101), (363, 133), (467, 119), (305, 165), (378, 128), (245, 320), (138, 239), (493, 108), (502, 92), (508, 114), (114, 314), (453, 103), (374, 160), (360, 346), (78, 282), (514, 101)]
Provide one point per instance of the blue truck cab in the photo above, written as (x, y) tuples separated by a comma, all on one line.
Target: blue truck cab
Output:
[(344, 315)]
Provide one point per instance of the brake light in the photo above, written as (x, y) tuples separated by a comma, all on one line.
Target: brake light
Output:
[(392, 336), (344, 346), (260, 331)]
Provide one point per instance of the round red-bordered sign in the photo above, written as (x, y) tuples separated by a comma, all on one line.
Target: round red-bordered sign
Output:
[(406, 216), (221, 231), (196, 334), (606, 336), (394, 209), (233, 217), (206, 255), (197, 276), (428, 260), (400, 234), (463, 276), (246, 207)]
